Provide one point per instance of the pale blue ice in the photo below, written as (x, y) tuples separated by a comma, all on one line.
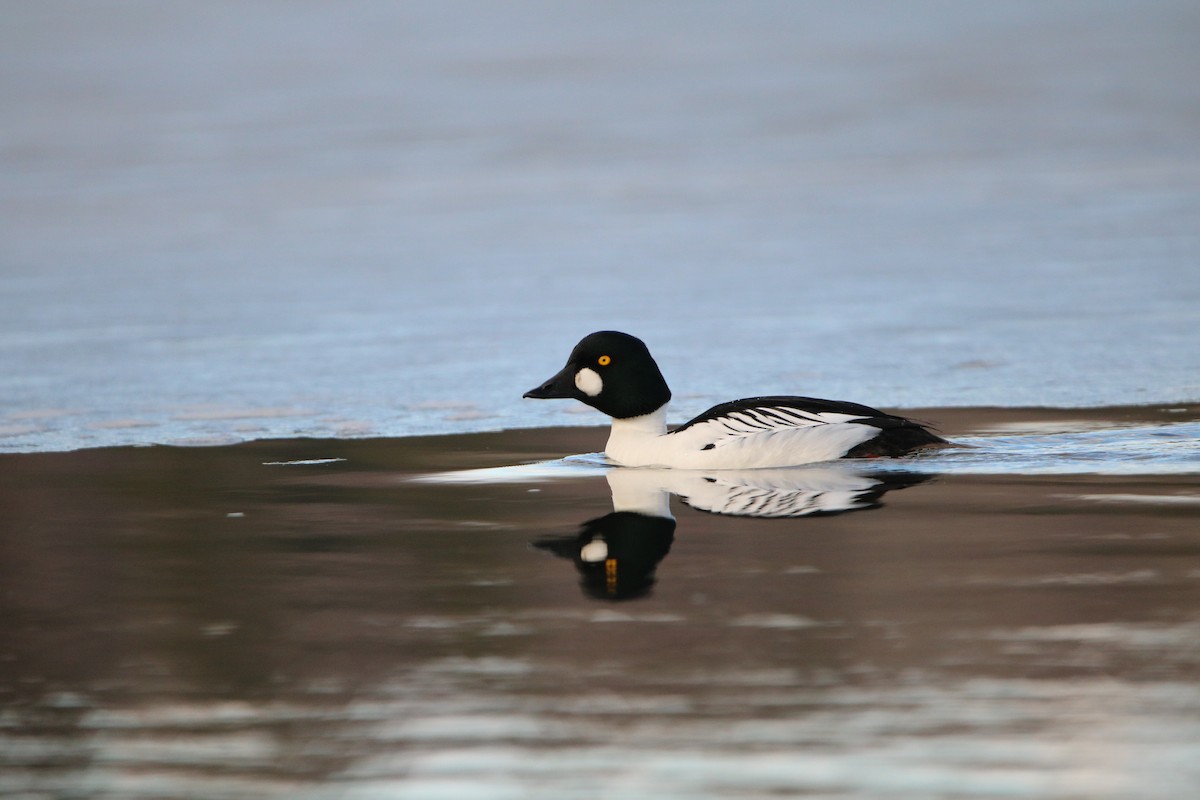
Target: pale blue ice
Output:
[(389, 219)]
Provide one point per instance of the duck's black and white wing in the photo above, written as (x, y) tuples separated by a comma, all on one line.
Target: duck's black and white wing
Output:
[(824, 429)]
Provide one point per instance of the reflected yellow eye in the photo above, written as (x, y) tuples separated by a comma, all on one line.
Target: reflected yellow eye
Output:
[(604, 361)]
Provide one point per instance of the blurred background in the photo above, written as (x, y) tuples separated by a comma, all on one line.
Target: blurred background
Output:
[(226, 221)]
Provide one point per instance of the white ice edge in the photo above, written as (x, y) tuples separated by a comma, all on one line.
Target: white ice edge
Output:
[(580, 466)]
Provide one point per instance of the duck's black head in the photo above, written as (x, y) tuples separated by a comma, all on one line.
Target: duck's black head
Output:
[(612, 372)]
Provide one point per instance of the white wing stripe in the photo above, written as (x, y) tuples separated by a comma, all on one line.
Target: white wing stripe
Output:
[(773, 419), (802, 417), (752, 418)]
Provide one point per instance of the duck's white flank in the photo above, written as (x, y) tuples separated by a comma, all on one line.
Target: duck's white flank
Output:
[(717, 444)]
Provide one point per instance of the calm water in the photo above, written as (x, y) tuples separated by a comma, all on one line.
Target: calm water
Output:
[(420, 618), (226, 223)]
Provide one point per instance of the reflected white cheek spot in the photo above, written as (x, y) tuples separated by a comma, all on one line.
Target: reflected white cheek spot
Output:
[(594, 551), (588, 382)]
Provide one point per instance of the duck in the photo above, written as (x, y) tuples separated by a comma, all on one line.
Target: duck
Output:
[(614, 373)]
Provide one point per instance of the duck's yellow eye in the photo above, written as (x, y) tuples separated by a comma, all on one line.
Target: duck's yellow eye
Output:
[(604, 361)]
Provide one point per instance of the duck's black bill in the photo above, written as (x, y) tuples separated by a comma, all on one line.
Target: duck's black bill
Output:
[(561, 385)]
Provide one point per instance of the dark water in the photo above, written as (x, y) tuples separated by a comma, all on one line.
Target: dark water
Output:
[(261, 620)]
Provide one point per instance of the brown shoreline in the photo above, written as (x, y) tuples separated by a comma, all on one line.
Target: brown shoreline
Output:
[(556, 441)]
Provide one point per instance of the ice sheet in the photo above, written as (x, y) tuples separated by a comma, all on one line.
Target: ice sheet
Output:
[(228, 223)]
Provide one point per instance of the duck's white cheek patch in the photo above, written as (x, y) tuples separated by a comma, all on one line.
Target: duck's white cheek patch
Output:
[(588, 382)]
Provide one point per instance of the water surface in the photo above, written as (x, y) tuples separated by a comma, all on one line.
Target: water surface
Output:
[(469, 616)]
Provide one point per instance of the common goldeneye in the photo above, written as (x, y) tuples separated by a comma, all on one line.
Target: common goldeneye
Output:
[(614, 373)]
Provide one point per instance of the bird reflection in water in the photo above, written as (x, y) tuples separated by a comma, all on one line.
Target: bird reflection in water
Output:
[(617, 554)]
